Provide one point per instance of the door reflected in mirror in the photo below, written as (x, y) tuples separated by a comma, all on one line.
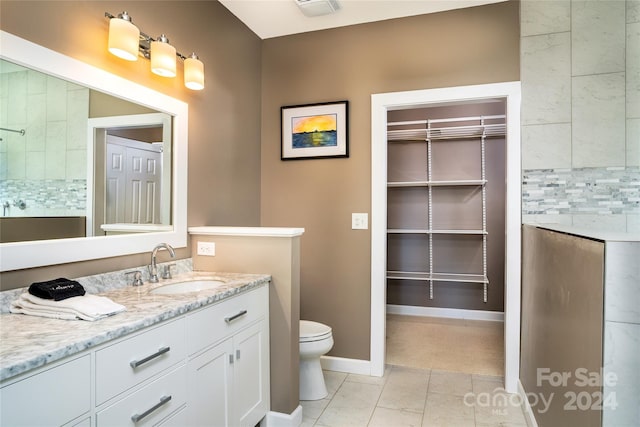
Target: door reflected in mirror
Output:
[(131, 191)]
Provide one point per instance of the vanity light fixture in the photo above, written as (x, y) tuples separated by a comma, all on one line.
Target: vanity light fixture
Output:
[(123, 37), (193, 72), (163, 57), (126, 41)]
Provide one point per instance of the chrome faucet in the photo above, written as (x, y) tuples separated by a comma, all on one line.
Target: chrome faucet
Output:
[(153, 269)]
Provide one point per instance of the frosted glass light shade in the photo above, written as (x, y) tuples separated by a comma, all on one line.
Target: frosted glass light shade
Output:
[(163, 57), (194, 73), (124, 38)]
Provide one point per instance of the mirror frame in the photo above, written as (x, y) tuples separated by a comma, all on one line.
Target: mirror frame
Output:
[(20, 255)]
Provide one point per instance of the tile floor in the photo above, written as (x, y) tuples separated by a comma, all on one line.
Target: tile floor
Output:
[(413, 397), (441, 372)]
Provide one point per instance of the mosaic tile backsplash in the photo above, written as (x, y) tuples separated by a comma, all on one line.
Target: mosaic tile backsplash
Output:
[(601, 191), (50, 197)]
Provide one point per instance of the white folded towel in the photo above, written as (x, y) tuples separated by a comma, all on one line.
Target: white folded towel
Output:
[(86, 307)]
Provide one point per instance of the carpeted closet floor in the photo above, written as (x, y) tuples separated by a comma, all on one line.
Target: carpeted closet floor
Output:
[(469, 346)]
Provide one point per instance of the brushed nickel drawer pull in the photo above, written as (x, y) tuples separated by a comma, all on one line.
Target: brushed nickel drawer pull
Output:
[(163, 401), (135, 363), (235, 316)]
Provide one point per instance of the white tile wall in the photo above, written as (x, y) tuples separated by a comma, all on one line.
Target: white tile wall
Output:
[(546, 78), (580, 65), (633, 142), (598, 120), (633, 70), (553, 16), (17, 100), (547, 146), (633, 223), (54, 114), (55, 150), (597, 37), (622, 276), (15, 159), (633, 11), (621, 349), (601, 222), (35, 165)]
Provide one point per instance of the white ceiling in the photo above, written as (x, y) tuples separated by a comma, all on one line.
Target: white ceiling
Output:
[(275, 18)]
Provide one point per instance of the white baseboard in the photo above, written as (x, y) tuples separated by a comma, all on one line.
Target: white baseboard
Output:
[(351, 366), (451, 313), (278, 419), (528, 411)]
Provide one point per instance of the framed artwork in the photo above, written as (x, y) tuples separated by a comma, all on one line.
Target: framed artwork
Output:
[(315, 131)]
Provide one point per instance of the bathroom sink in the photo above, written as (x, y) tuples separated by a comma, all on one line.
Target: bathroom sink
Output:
[(188, 286)]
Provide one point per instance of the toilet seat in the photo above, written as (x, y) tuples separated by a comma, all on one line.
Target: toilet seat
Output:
[(313, 331)]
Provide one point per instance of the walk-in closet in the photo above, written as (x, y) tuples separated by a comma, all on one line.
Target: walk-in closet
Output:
[(446, 230)]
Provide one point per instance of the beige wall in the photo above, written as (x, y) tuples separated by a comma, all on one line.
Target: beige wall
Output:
[(462, 47), (224, 118)]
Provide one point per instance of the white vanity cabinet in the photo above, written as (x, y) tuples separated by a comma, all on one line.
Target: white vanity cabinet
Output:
[(53, 396), (228, 374), (206, 367)]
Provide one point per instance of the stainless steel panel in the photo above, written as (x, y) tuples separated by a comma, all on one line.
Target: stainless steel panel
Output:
[(562, 325)]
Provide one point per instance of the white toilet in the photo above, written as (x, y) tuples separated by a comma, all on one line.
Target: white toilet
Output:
[(316, 340)]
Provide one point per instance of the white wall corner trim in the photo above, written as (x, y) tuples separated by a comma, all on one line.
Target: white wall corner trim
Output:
[(278, 419), (526, 407), (350, 366), (380, 105)]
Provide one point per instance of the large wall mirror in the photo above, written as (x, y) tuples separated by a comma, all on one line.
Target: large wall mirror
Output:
[(99, 167)]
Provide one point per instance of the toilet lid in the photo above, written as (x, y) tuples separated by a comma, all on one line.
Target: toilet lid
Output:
[(313, 331)]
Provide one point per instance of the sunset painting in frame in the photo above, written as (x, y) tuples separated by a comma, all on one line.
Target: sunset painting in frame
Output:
[(314, 131)]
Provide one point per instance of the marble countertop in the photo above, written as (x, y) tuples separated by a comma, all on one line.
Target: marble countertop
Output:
[(28, 342), (604, 235)]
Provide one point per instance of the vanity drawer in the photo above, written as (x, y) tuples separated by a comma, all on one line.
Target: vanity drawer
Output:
[(151, 404), (216, 322), (131, 361)]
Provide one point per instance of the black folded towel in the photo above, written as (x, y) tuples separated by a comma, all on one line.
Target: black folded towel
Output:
[(57, 289)]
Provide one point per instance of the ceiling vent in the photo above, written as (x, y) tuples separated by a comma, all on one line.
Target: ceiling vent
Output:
[(318, 7)]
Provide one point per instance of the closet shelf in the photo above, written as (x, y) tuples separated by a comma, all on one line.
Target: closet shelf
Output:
[(453, 183), (424, 130), (425, 231), (437, 277)]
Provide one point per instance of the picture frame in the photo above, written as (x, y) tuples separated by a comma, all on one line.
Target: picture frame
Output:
[(314, 131)]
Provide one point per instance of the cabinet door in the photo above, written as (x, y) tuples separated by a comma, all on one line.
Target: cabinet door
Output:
[(52, 397), (251, 374), (209, 385)]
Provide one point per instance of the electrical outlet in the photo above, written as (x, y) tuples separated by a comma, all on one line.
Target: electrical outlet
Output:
[(359, 221), (207, 248)]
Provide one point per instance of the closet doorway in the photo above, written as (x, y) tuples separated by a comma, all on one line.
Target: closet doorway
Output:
[(434, 254)]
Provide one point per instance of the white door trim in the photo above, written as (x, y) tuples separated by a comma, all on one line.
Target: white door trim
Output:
[(380, 104)]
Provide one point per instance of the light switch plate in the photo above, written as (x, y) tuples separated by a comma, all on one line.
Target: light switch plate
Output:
[(207, 248), (359, 221)]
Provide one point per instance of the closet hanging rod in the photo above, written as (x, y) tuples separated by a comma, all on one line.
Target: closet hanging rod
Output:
[(457, 119), (20, 131)]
